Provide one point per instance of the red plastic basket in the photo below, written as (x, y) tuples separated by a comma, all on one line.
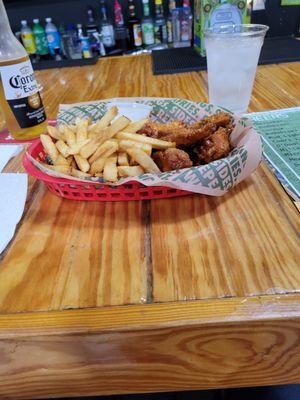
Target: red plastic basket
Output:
[(93, 191)]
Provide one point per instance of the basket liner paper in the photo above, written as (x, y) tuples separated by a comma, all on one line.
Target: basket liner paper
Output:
[(215, 178)]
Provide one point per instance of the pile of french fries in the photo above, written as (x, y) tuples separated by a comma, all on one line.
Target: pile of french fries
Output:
[(110, 148)]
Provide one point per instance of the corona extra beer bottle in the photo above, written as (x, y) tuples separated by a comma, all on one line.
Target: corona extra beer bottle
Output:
[(20, 99)]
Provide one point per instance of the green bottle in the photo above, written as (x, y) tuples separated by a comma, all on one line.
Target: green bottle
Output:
[(40, 38)]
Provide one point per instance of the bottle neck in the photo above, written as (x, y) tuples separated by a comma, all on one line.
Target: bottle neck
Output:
[(10, 47), (131, 9), (172, 5), (104, 15), (158, 9), (119, 21), (146, 9), (4, 21), (90, 16)]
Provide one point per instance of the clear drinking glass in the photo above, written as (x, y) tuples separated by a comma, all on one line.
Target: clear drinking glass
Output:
[(232, 55)]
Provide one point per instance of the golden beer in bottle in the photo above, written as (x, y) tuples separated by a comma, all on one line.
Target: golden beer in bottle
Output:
[(20, 99)]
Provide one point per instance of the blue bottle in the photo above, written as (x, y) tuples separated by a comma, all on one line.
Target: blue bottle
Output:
[(53, 37)]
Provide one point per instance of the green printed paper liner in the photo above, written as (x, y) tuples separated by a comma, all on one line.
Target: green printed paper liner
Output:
[(215, 178)]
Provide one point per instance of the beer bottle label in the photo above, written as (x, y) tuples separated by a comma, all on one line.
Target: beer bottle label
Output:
[(22, 94), (137, 33)]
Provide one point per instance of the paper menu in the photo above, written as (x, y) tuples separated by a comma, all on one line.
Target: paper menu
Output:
[(13, 191), (280, 132), (7, 151)]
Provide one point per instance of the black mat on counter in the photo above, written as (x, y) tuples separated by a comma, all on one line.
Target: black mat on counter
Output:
[(48, 64), (173, 61)]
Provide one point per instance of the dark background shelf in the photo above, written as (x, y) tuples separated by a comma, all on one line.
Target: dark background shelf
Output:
[(283, 20), (172, 61)]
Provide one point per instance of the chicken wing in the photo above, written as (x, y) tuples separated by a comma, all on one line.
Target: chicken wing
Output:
[(172, 159), (213, 148), (181, 135), (187, 135)]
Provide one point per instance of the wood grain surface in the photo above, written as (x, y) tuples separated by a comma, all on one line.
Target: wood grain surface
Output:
[(93, 254), (71, 258), (184, 346)]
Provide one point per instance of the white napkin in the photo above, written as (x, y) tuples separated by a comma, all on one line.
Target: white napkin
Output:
[(13, 191), (7, 151), (133, 111)]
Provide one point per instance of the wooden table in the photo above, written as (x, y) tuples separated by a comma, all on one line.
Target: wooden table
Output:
[(188, 293)]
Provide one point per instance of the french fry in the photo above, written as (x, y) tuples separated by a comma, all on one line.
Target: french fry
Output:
[(97, 166), (62, 148), (73, 163), (110, 171), (49, 146), (128, 144), (69, 135), (114, 128), (82, 163), (92, 130), (75, 148), (63, 169), (143, 160), (155, 143), (73, 128), (99, 174), (87, 150), (123, 158), (61, 160), (79, 174), (109, 144), (125, 171), (132, 162), (136, 126), (54, 132), (82, 130), (70, 159), (107, 118)]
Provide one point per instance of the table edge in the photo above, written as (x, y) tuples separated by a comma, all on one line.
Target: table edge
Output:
[(143, 317)]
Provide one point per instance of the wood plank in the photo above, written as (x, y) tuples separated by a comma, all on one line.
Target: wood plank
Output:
[(78, 254), (110, 77), (208, 250), (226, 246), (149, 316), (70, 254), (163, 347)]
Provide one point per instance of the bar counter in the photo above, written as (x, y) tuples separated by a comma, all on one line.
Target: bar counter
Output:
[(187, 293)]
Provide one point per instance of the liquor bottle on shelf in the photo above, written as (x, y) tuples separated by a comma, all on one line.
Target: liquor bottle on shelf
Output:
[(172, 5), (85, 46), (119, 20), (121, 33), (80, 32), (107, 29), (134, 27), (72, 43), (186, 24), (160, 27), (53, 37), (40, 39), (27, 38), (147, 26), (20, 98), (91, 30)]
